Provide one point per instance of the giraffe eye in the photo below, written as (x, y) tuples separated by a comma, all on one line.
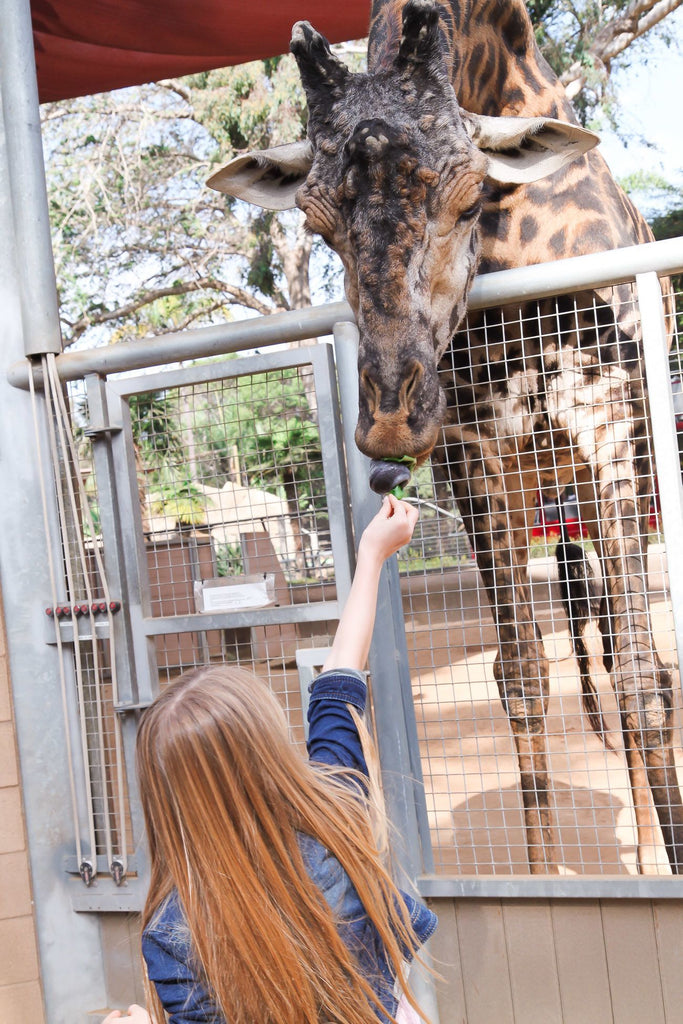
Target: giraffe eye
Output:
[(472, 212)]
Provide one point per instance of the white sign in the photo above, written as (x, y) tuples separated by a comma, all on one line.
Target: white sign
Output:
[(235, 594)]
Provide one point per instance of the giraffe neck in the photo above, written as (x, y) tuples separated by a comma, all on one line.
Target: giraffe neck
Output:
[(496, 66)]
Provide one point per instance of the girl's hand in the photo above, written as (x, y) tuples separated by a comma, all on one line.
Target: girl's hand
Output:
[(389, 530), (134, 1015)]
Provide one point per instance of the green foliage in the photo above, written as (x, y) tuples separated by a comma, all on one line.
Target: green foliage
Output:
[(263, 424), (592, 36), (178, 498), (647, 181), (229, 561), (264, 264), (252, 105), (156, 431), (275, 435), (669, 224)]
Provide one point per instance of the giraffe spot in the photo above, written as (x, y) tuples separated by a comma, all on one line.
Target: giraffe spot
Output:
[(474, 66), (530, 78), (495, 224), (528, 229), (490, 264), (557, 241), (514, 28), (513, 97), (593, 236), (587, 198)]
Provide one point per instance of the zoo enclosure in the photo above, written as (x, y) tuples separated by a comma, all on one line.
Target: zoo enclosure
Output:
[(438, 764)]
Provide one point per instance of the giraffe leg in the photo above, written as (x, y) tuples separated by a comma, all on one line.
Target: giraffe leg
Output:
[(647, 725), (496, 510), (521, 671), (606, 425), (647, 826), (644, 692)]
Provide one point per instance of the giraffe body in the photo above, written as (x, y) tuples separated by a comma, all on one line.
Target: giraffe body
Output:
[(419, 173)]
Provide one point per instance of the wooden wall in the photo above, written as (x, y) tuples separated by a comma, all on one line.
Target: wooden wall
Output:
[(21, 997), (559, 961)]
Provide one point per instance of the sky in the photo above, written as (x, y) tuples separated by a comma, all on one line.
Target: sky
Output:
[(650, 100)]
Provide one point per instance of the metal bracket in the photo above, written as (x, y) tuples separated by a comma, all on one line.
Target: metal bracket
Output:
[(99, 430), (69, 629)]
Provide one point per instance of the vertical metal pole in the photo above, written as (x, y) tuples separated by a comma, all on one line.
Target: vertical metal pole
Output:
[(396, 727), (35, 263), (389, 651), (667, 458), (121, 640), (71, 967), (336, 489)]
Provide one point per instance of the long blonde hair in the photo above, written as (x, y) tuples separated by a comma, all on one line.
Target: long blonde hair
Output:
[(225, 795)]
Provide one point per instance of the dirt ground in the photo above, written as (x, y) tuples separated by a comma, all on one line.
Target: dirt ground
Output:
[(468, 757)]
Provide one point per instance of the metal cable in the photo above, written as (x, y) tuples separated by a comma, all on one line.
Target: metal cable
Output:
[(82, 862), (83, 506)]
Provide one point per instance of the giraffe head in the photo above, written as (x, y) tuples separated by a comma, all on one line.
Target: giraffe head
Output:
[(391, 177)]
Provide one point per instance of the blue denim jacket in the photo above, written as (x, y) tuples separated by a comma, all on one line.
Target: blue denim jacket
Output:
[(332, 740)]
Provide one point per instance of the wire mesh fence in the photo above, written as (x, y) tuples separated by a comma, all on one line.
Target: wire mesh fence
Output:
[(470, 762), (231, 493)]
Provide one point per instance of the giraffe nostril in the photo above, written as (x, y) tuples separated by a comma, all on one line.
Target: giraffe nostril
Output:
[(411, 385), (370, 390)]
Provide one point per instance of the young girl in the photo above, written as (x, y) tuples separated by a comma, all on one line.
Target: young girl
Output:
[(269, 901)]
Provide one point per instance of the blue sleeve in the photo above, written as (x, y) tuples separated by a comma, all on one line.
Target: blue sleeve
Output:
[(332, 735), (183, 998)]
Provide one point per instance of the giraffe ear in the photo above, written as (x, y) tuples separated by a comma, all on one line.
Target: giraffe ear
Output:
[(523, 149), (269, 178)]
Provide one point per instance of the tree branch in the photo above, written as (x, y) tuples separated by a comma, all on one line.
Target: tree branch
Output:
[(177, 86), (235, 294), (615, 37)]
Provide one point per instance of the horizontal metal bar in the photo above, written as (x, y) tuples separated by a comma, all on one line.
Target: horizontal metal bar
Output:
[(71, 865), (177, 347), (594, 270), (204, 373), (66, 630), (319, 611), (604, 887)]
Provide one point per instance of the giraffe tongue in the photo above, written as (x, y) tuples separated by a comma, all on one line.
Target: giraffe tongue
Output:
[(385, 476)]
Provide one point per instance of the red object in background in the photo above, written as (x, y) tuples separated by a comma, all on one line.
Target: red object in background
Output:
[(547, 519), (83, 47)]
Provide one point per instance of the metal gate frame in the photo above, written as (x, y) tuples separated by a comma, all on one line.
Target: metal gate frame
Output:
[(109, 428)]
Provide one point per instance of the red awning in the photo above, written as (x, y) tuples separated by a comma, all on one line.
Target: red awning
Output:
[(88, 46)]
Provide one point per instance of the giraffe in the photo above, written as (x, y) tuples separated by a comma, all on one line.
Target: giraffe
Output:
[(459, 152)]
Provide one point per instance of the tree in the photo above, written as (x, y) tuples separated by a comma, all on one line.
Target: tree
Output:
[(584, 41), (141, 244)]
